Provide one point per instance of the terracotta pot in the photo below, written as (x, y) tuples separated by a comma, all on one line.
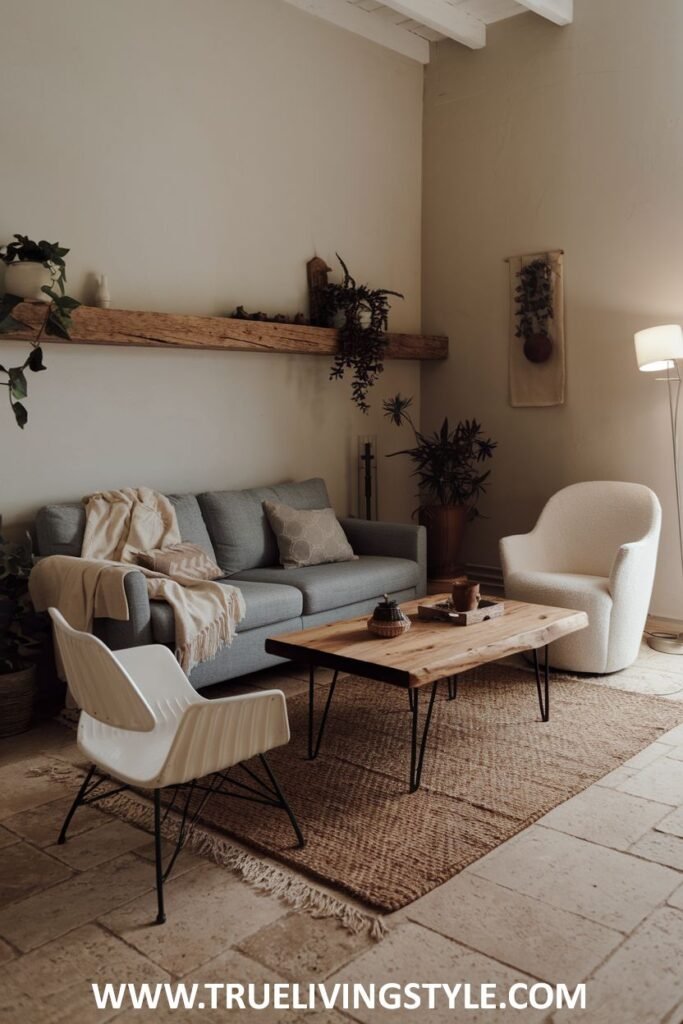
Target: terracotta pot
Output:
[(445, 531), (538, 347), (465, 594), (26, 278), (17, 700)]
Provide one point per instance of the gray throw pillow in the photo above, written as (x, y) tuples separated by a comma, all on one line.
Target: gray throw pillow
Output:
[(307, 537)]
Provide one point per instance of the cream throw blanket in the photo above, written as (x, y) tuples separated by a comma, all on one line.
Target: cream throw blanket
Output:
[(119, 524)]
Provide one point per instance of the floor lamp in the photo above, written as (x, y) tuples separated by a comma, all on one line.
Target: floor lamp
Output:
[(660, 349)]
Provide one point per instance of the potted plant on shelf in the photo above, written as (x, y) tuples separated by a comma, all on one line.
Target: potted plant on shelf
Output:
[(22, 637), (360, 314), (35, 271), (534, 300), (448, 466)]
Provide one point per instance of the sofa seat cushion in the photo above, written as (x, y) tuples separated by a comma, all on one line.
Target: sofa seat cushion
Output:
[(238, 525), (266, 603), (340, 583)]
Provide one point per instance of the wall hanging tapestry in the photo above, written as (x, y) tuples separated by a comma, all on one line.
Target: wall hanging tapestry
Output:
[(537, 329)]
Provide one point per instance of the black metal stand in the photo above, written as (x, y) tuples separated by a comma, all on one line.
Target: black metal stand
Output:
[(84, 796), (452, 687), (543, 689), (314, 745), (261, 791), (417, 748)]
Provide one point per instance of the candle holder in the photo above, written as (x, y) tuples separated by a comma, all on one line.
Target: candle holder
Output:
[(367, 477)]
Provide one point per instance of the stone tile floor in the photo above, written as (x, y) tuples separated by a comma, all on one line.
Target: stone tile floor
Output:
[(592, 892)]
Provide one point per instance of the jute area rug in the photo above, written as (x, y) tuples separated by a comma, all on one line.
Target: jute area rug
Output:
[(491, 769)]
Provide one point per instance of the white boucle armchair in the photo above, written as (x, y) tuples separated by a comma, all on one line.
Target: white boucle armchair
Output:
[(594, 548)]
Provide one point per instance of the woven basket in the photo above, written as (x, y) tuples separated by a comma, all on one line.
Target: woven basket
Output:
[(388, 629), (17, 700)]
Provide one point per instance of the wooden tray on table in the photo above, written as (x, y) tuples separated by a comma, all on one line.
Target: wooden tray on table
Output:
[(489, 608)]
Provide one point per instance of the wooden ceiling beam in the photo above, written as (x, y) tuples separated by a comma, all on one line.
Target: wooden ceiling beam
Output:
[(363, 23), (560, 12), (443, 17)]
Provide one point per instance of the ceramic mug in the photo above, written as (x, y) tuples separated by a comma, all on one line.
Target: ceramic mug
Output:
[(465, 595)]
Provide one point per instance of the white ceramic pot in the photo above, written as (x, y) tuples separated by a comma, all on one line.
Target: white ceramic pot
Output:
[(26, 278)]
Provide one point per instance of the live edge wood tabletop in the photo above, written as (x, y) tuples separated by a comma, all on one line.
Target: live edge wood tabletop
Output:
[(428, 651)]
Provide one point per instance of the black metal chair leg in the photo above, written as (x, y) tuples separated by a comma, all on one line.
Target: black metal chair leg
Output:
[(77, 802), (283, 801), (314, 744), (543, 688), (161, 916)]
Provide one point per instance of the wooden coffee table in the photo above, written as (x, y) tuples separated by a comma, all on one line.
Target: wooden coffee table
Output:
[(427, 654)]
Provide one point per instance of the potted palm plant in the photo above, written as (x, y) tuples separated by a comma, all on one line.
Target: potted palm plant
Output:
[(451, 478)]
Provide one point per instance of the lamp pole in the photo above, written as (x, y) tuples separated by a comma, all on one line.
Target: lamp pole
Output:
[(661, 348)]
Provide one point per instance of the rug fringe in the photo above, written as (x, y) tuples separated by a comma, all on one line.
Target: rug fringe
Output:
[(266, 878)]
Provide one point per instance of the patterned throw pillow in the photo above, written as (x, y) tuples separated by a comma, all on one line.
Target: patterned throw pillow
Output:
[(181, 560), (307, 536)]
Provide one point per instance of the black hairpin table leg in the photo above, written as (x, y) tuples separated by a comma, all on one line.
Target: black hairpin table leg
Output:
[(315, 741), (418, 746), (452, 687), (543, 688)]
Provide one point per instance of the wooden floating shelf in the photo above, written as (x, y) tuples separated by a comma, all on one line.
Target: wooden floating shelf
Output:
[(94, 326)]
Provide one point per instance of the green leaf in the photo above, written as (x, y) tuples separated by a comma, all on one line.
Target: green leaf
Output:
[(35, 360), (66, 302), (57, 325), (20, 414), (8, 324), (17, 382)]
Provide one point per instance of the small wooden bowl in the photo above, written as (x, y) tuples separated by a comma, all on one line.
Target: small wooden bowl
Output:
[(387, 630)]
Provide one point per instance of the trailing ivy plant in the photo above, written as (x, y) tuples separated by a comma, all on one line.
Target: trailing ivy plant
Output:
[(534, 300), (448, 463), (361, 315), (57, 321)]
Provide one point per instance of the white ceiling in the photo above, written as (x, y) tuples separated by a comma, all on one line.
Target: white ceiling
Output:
[(409, 26)]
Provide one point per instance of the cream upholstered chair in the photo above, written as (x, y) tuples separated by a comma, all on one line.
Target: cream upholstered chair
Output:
[(143, 724), (594, 548)]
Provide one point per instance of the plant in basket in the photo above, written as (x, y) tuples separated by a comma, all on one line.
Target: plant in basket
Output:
[(23, 634)]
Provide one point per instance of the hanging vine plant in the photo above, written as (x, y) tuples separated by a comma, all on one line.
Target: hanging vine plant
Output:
[(534, 300), (57, 322), (361, 316)]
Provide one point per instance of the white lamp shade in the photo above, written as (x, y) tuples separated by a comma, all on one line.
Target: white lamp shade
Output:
[(658, 347)]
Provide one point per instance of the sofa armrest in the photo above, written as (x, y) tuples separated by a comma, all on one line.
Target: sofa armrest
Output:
[(395, 540), (137, 628)]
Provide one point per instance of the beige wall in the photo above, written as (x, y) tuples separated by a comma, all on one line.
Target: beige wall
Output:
[(566, 138), (199, 152)]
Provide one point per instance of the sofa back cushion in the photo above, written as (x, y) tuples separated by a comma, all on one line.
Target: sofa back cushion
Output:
[(191, 523), (60, 528), (238, 526)]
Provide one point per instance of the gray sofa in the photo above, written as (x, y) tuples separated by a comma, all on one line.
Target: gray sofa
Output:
[(233, 530)]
